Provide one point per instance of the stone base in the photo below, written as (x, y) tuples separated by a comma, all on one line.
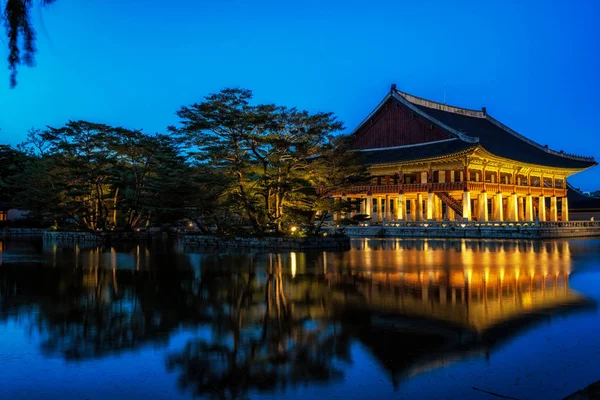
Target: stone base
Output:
[(477, 230), (268, 242)]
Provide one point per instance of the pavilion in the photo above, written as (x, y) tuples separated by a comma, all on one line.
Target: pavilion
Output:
[(431, 162)]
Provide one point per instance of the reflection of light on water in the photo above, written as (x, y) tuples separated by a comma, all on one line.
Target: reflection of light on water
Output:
[(293, 263), (113, 258)]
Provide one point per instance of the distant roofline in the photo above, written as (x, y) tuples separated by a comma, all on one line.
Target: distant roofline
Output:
[(577, 190)]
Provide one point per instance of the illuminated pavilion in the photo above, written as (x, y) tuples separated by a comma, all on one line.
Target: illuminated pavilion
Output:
[(432, 161)]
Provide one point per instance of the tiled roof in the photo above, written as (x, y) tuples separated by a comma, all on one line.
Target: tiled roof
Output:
[(502, 142), (415, 152), (578, 200)]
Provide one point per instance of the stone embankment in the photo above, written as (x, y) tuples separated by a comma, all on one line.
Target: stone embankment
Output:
[(268, 242), (75, 236), (478, 230), (97, 236), (10, 232)]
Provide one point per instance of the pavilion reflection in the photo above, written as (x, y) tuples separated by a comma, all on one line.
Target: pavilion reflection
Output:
[(429, 302), (282, 319)]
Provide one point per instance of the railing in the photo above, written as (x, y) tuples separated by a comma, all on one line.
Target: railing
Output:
[(484, 224), (452, 186), (454, 224), (570, 224)]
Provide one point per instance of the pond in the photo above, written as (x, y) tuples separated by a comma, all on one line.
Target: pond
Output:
[(406, 319)]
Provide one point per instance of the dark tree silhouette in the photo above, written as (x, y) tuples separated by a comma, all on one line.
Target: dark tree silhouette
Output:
[(20, 34)]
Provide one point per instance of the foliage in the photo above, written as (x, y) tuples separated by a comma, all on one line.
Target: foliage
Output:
[(232, 167), (20, 34), (277, 165)]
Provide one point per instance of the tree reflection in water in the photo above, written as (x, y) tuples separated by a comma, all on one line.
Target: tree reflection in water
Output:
[(269, 332), (88, 313), (278, 320)]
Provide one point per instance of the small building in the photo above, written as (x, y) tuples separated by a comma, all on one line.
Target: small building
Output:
[(581, 206), (432, 161)]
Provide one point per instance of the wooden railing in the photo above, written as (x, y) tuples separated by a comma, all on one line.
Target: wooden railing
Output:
[(452, 186)]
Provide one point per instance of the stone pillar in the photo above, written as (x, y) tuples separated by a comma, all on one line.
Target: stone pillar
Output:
[(498, 207), (413, 210), (347, 214), (380, 202), (529, 208), (401, 207), (362, 205), (466, 205), (430, 206), (483, 206), (542, 209), (336, 214), (419, 210), (513, 207), (440, 209), (553, 209), (450, 213), (521, 202), (565, 209), (369, 205), (388, 208)]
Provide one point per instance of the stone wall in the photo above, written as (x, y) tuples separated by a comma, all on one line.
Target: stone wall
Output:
[(74, 236), (268, 242), (483, 230), (8, 232)]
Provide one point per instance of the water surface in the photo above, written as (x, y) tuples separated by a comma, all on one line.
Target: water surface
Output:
[(412, 319)]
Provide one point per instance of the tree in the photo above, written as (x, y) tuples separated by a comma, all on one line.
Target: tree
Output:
[(20, 34), (272, 158), (11, 162)]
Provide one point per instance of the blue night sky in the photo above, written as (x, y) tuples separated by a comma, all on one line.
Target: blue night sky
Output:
[(134, 63)]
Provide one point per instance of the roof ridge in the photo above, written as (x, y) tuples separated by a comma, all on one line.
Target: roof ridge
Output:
[(536, 144), (441, 106)]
